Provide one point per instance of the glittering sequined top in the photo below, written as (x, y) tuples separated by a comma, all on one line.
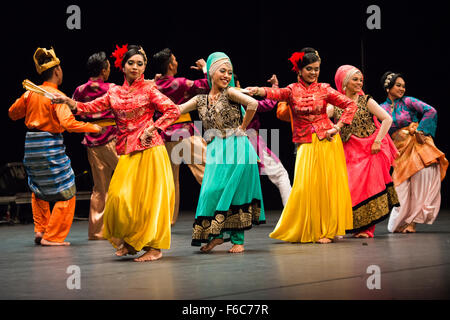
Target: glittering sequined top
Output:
[(223, 116), (362, 125)]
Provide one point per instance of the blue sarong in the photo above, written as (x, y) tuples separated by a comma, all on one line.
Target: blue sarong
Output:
[(50, 175)]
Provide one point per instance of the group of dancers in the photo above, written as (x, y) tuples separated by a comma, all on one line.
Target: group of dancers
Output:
[(346, 145)]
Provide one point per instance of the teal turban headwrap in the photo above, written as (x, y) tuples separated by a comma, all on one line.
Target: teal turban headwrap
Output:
[(213, 58)]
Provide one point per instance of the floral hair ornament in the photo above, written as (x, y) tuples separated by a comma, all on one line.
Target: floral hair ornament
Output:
[(388, 79), (118, 55), (295, 57), (141, 50)]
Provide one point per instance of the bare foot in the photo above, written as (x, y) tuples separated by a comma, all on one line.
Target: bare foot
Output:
[(38, 237), (237, 248), (207, 248), (151, 255), (400, 229), (361, 235), (324, 240), (125, 249), (411, 228), (52, 243), (121, 251)]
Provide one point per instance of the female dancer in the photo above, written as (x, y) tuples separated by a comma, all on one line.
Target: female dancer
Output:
[(369, 154), (319, 206), (141, 194), (421, 167), (230, 197)]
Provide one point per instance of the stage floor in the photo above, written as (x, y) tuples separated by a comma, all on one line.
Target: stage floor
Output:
[(411, 266)]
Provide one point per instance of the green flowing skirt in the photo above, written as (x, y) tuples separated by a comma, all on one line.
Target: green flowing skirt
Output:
[(230, 196)]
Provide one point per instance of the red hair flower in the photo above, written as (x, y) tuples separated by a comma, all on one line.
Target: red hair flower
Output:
[(296, 56), (118, 54)]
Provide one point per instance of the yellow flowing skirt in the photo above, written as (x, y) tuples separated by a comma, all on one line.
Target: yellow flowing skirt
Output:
[(320, 204), (141, 199)]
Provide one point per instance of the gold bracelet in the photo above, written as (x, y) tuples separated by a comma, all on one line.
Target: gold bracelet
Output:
[(337, 127)]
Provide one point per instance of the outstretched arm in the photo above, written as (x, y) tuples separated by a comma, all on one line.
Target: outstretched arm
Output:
[(266, 105), (188, 106), (70, 124), (100, 104)]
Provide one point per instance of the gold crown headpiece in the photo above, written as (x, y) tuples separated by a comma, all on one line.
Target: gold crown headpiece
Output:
[(39, 53)]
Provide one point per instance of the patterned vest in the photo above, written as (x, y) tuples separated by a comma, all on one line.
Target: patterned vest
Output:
[(362, 125)]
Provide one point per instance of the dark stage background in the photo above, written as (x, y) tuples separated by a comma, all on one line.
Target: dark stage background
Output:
[(259, 37)]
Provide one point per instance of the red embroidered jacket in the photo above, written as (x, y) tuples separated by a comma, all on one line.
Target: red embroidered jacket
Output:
[(309, 108), (133, 108)]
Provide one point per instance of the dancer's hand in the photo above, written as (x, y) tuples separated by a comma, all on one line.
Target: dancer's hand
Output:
[(331, 133), (420, 137), (200, 64), (376, 147), (60, 99), (240, 132), (253, 91), (273, 81), (146, 136)]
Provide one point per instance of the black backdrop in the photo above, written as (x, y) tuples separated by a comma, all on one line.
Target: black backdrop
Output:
[(259, 37)]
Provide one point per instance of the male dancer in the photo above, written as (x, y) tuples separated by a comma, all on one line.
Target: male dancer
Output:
[(269, 163), (101, 148), (180, 135), (50, 175)]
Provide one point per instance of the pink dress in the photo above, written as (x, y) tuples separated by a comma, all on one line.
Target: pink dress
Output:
[(371, 187)]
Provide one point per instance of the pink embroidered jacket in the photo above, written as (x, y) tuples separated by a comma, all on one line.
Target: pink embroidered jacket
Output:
[(133, 108), (309, 108)]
